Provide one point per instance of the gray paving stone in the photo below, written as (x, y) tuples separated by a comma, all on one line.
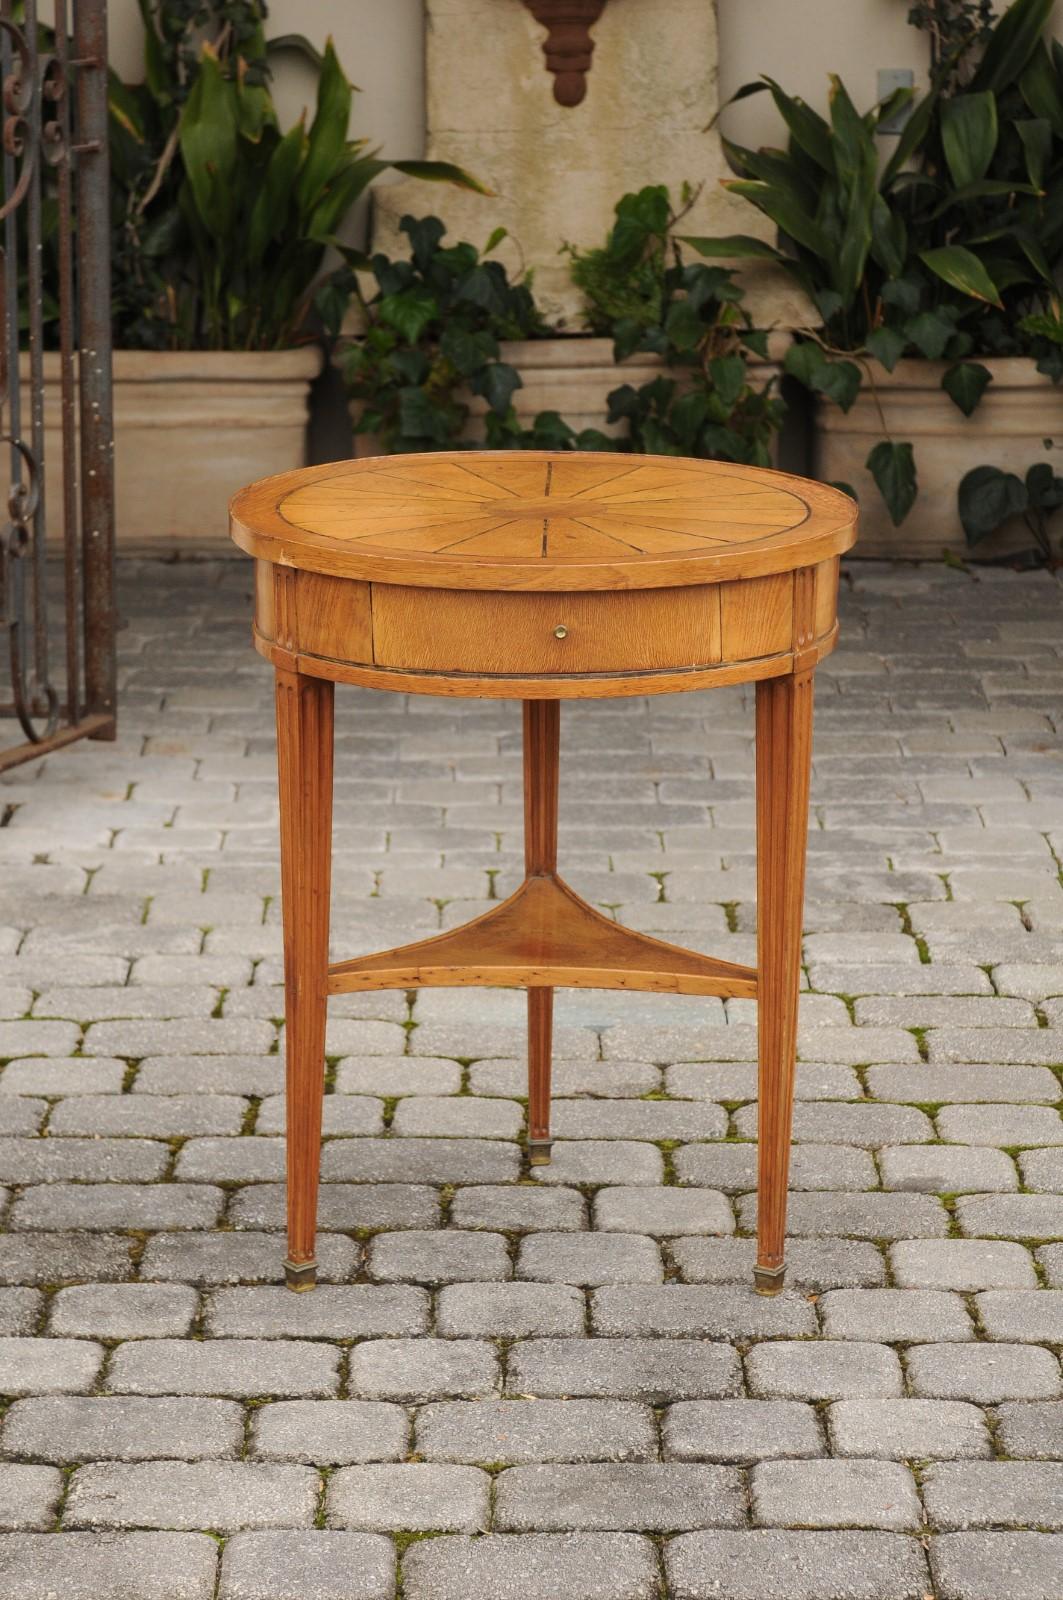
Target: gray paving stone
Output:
[(199, 1036), (1042, 1169), (21, 1114), (740, 1431), (205, 1074), (834, 1122), (961, 1264), (535, 1566), (26, 1161), (984, 1494), (605, 1079), (946, 1169), (654, 1370), (614, 1161), (811, 1264), (972, 1566), (777, 1564), (223, 1367), (29, 1496), (333, 1311), (1031, 1428), (239, 1258), (349, 1116), (123, 1310), (908, 1430), (373, 1075), (95, 1566), (637, 1119), (1013, 1216), (677, 1309), (329, 1432), (48, 1366), (860, 1216), (984, 1373), (521, 1431), (39, 1075), (892, 1315), (318, 1565), (737, 1080), (438, 1256), (102, 1003), (20, 1310), (509, 1310), (663, 1212), (834, 1494), (589, 1259), (817, 1371), (1000, 1124), (104, 1206), (415, 1370), (230, 1160), (420, 1160), (158, 1116), (458, 1116), (520, 1209), (732, 1166), (410, 1497), (628, 1495), (341, 1205), (41, 1039), (49, 1258), (66, 1428), (1035, 1046), (1025, 1317), (1051, 1258), (191, 1494), (966, 1084)]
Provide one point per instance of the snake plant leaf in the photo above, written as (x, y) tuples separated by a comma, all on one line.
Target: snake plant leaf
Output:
[(440, 172), (807, 128), (732, 245), (328, 132), (912, 138), (1041, 88), (1036, 136), (961, 268), (892, 466), (208, 137), (269, 214), (1011, 44), (889, 237), (987, 497), (783, 211), (966, 383), (969, 134)]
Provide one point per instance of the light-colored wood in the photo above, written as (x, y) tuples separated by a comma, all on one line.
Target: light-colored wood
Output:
[(544, 936), (432, 630), (784, 758), (501, 520), (542, 735), (756, 617), (304, 757), (543, 577)]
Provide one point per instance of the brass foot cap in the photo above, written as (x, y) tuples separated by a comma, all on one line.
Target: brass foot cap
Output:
[(300, 1275), (539, 1152), (769, 1280)]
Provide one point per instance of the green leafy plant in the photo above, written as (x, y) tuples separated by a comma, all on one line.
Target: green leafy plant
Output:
[(221, 220), (946, 251), (691, 315), (433, 327), (989, 497)]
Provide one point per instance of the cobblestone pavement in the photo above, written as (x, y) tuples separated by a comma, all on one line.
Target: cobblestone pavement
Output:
[(557, 1387)]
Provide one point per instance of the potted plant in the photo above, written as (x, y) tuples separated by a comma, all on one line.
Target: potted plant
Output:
[(940, 343), (221, 223), (453, 352)]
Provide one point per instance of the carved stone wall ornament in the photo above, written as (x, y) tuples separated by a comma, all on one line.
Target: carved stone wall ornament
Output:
[(568, 45)]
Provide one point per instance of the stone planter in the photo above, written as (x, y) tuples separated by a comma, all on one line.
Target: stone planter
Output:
[(1019, 421), (190, 429), (573, 376)]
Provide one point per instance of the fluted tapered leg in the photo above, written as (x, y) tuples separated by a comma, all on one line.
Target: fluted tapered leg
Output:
[(304, 757), (542, 729), (784, 758)]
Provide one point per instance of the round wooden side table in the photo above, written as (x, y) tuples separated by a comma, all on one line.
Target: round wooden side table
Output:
[(542, 577)]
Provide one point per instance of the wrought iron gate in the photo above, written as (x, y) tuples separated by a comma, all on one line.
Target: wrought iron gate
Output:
[(58, 679)]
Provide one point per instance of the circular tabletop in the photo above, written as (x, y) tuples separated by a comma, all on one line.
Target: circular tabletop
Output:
[(540, 520)]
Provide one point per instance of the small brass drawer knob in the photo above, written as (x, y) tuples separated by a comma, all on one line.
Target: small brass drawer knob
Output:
[(560, 632)]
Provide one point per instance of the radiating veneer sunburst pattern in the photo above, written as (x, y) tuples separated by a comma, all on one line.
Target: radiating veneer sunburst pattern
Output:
[(529, 508)]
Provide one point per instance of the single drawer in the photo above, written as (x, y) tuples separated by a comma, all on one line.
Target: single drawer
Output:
[(447, 630)]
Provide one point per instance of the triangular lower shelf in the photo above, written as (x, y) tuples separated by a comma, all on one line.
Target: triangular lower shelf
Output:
[(544, 936)]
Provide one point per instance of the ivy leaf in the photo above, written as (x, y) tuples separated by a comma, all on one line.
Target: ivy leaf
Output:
[(903, 293), (1044, 487), (804, 361), (465, 350), (683, 326), (893, 468), (846, 488), (988, 497), (930, 333), (887, 346), (840, 382), (409, 313), (497, 383), (728, 374), (966, 383)]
